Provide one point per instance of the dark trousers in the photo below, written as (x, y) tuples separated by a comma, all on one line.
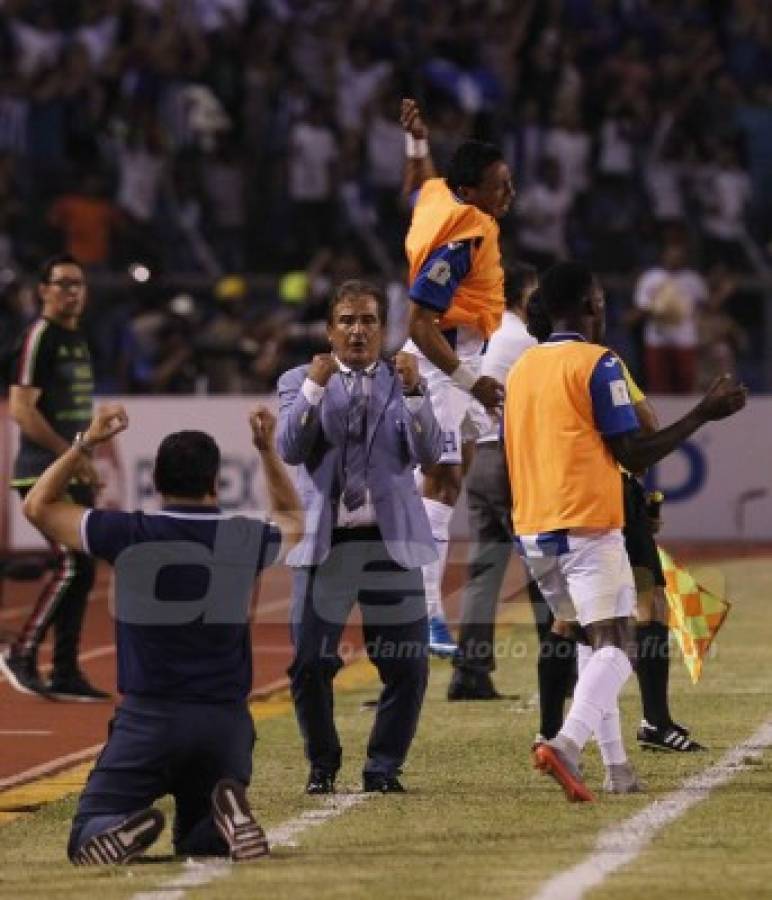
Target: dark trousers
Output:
[(63, 600), (393, 606), (489, 501), (157, 747)]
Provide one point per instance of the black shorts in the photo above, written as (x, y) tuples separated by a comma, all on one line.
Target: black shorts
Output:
[(639, 540)]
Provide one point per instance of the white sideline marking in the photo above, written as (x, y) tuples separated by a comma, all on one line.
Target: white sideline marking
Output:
[(20, 733), (46, 768), (622, 842), (198, 873)]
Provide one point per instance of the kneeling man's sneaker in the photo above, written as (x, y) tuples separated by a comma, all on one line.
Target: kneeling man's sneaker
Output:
[(234, 820), (123, 842), (549, 760), (622, 779)]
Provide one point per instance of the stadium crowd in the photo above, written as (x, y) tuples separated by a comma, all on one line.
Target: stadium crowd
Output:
[(209, 137)]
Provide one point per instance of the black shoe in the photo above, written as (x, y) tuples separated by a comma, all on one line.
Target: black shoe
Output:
[(668, 737), (472, 686), (320, 782), (375, 782), (22, 673), (121, 843), (234, 820), (74, 688)]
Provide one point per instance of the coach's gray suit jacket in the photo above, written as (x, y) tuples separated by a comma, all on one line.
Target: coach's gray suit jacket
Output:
[(313, 438)]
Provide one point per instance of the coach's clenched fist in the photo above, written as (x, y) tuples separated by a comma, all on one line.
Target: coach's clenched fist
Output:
[(406, 365), (323, 367)]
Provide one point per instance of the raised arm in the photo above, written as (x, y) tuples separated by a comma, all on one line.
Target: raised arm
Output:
[(45, 505), (284, 502), (419, 166), (637, 451)]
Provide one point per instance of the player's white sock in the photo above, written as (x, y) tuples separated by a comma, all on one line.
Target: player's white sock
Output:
[(439, 519), (596, 693), (609, 733)]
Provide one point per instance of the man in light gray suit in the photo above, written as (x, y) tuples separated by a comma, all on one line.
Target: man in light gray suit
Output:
[(356, 426)]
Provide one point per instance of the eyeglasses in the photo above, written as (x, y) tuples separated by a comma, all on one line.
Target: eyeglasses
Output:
[(66, 283)]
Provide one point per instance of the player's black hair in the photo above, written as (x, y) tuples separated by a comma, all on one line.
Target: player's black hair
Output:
[(60, 259), (564, 288), (469, 162), (186, 465), (517, 277), (356, 287), (537, 320)]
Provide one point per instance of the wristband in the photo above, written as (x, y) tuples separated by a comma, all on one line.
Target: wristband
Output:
[(80, 443), (464, 378), (416, 148)]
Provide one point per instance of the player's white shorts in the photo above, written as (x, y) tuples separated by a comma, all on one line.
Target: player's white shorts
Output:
[(584, 575), (458, 414)]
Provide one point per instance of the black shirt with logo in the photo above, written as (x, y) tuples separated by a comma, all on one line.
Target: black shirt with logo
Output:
[(57, 361)]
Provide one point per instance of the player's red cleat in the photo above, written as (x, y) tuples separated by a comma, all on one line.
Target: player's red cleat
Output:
[(550, 761)]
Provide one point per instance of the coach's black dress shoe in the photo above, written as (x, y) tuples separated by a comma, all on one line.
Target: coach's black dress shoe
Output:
[(320, 782), (472, 686), (374, 782)]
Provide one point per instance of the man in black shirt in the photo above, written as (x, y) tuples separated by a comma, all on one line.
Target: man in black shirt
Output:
[(51, 400)]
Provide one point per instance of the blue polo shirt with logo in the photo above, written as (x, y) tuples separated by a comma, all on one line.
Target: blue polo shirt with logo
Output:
[(184, 581)]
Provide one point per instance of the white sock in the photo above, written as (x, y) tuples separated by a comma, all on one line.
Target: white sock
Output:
[(609, 733), (596, 693), (439, 519)]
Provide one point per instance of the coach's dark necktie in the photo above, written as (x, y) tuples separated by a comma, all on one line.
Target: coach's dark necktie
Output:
[(354, 491)]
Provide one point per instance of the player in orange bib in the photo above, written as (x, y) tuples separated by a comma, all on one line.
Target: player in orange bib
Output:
[(456, 303), (568, 421)]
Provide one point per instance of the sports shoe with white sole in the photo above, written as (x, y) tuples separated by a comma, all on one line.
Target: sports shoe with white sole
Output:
[(22, 673), (234, 820), (672, 738), (122, 843)]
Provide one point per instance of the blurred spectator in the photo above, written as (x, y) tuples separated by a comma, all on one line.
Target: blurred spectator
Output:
[(724, 195), (313, 157), (669, 298), (359, 77), (141, 167), (226, 188), (526, 145), (542, 211), (158, 347), (721, 338), (10, 210), (18, 307), (568, 142), (224, 345), (385, 162), (87, 220)]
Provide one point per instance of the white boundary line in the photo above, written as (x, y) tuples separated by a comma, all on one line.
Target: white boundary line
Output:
[(199, 873), (622, 842), (52, 766), (23, 732)]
